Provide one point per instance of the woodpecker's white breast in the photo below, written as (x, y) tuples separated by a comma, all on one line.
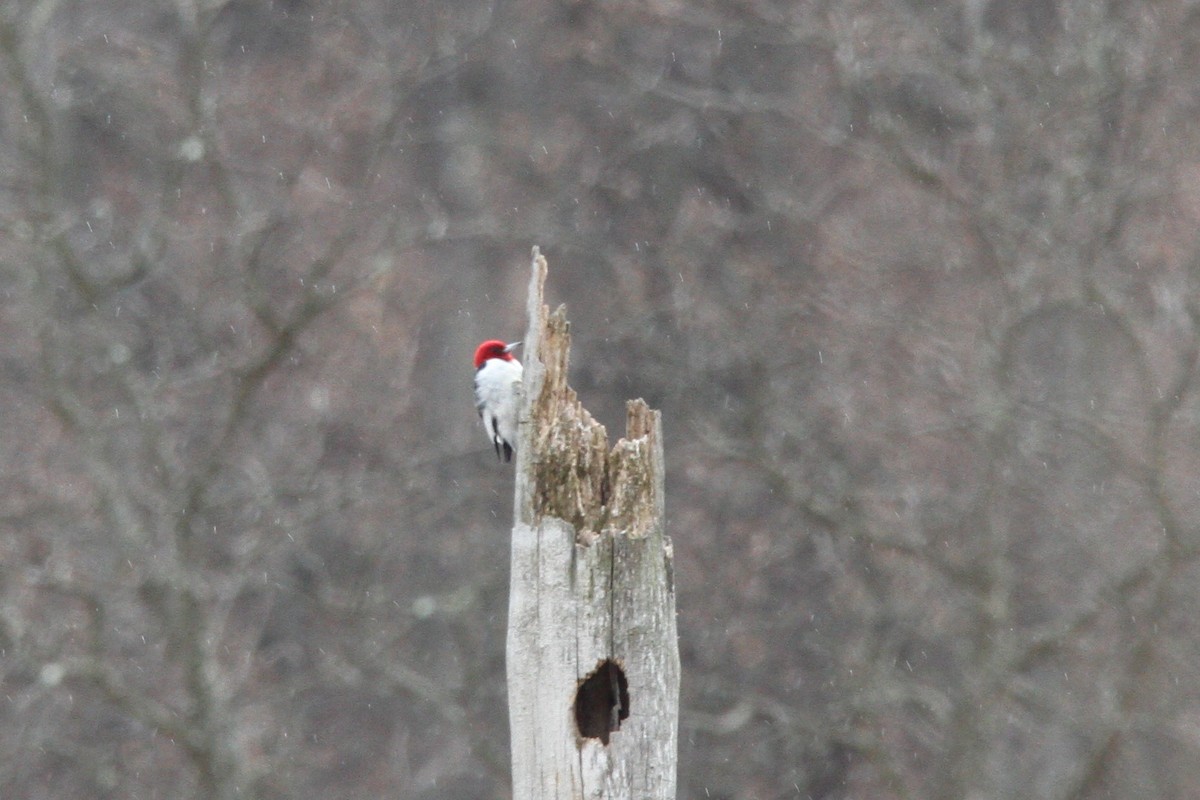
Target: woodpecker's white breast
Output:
[(497, 397)]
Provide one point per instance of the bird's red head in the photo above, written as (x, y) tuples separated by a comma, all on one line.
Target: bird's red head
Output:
[(493, 348)]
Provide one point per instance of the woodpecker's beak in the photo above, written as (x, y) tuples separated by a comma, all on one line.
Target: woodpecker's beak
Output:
[(508, 348)]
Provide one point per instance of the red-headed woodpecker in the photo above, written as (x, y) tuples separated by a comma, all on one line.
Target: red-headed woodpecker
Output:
[(498, 394)]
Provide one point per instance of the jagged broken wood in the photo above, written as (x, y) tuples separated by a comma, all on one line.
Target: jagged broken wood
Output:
[(593, 656)]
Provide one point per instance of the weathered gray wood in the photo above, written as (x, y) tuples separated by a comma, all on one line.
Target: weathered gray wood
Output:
[(592, 583)]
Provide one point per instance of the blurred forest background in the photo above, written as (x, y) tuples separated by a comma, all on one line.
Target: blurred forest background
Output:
[(916, 285)]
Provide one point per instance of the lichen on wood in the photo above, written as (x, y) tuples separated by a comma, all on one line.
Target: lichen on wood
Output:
[(577, 477)]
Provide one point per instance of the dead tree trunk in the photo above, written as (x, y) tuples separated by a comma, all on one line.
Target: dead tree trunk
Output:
[(593, 658)]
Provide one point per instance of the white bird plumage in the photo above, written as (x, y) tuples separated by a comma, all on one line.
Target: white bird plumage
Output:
[(498, 394)]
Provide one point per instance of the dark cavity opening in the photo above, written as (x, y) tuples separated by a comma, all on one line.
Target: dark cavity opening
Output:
[(602, 701)]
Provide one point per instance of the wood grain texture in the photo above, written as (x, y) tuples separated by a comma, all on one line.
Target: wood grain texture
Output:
[(592, 588)]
